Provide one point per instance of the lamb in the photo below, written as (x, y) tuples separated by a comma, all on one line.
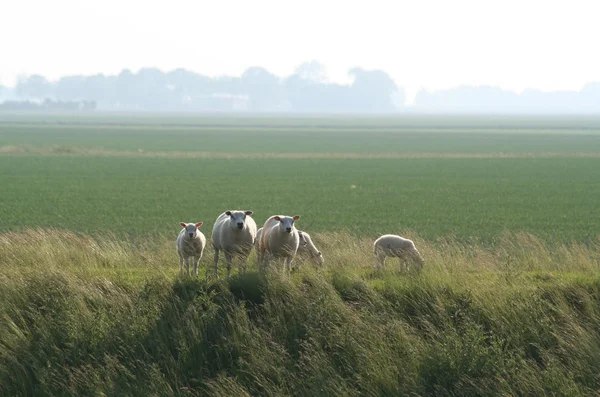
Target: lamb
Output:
[(398, 247), (234, 233), (190, 244), (280, 239), (306, 248)]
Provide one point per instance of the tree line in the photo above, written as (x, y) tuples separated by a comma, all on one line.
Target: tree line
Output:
[(258, 90)]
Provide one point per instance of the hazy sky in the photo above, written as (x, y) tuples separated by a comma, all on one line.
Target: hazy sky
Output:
[(549, 45)]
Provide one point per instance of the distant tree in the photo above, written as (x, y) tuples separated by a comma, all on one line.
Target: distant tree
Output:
[(34, 86), (308, 91), (312, 71), (372, 91), (99, 88), (263, 89), (70, 88), (48, 105), (151, 87)]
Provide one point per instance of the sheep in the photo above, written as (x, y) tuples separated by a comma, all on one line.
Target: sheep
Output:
[(234, 233), (190, 243), (306, 248), (280, 239), (398, 247)]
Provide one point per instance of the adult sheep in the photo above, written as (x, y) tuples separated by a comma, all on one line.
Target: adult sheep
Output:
[(279, 239), (306, 248), (234, 233), (190, 244), (399, 247)]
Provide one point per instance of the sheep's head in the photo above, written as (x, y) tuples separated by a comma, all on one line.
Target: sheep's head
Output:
[(238, 218), (307, 244), (286, 223), (191, 229), (319, 259)]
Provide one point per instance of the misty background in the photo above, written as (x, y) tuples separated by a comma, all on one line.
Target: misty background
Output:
[(307, 90)]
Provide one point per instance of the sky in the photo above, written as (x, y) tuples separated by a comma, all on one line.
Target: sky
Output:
[(426, 44)]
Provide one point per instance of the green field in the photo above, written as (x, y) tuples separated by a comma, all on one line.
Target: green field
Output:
[(504, 210), (135, 176)]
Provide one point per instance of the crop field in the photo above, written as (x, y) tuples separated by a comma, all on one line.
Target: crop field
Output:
[(504, 210), (139, 177)]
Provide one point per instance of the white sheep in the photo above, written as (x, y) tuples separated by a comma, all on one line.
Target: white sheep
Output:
[(234, 233), (398, 247), (306, 248), (279, 239), (190, 244)]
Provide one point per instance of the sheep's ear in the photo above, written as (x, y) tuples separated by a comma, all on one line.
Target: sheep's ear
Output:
[(277, 218), (182, 224), (296, 217), (228, 213), (199, 224), (249, 212)]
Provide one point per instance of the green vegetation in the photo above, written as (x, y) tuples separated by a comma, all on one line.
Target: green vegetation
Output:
[(84, 316), (554, 198), (504, 211), (89, 175), (309, 135)]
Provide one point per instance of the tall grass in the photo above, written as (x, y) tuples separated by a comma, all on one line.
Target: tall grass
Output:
[(104, 316)]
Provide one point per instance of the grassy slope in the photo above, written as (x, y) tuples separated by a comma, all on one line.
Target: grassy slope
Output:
[(93, 316)]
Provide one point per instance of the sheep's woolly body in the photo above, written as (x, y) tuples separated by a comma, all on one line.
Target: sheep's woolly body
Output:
[(190, 247), (306, 247), (276, 242), (233, 241), (396, 246)]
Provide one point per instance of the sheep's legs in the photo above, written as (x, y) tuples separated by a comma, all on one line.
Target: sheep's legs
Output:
[(196, 262), (216, 261), (187, 265), (228, 259), (288, 264), (180, 265)]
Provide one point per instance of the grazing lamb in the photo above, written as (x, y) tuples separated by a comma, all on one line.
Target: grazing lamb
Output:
[(234, 233), (279, 239), (306, 248), (190, 244), (398, 247)]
